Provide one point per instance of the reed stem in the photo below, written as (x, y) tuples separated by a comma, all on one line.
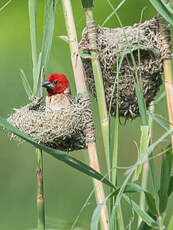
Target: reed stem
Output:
[(167, 67), (145, 170), (79, 76), (144, 183), (169, 92), (104, 118), (40, 191), (100, 196)]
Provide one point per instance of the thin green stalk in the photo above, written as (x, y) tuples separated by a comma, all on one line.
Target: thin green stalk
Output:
[(152, 167), (104, 118), (138, 85), (32, 7), (119, 217), (6, 4), (115, 149), (102, 105), (160, 222), (33, 31), (116, 132), (138, 88), (40, 192), (36, 69), (144, 183)]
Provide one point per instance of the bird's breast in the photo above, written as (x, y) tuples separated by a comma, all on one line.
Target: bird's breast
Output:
[(57, 101)]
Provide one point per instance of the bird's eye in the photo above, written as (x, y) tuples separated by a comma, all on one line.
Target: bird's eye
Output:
[(55, 82)]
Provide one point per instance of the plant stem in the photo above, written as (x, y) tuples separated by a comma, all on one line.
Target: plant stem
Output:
[(33, 31), (115, 150), (169, 91), (144, 183), (145, 170), (116, 131), (119, 216), (94, 163), (73, 43), (79, 76), (40, 192), (39, 171), (119, 223), (104, 118), (167, 67), (6, 4), (160, 221)]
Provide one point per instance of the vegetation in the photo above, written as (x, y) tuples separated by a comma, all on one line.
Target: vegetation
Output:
[(147, 205)]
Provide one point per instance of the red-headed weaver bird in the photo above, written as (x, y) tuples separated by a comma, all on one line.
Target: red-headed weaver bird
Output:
[(58, 91)]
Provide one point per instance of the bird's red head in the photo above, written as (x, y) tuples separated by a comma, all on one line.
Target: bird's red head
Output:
[(56, 83)]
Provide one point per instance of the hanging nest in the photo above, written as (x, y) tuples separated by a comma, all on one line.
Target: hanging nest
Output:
[(67, 129), (149, 43)]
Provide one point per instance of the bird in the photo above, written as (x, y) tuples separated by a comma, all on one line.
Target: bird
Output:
[(58, 92)]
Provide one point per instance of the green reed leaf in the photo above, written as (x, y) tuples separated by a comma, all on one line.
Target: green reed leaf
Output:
[(62, 156), (158, 5), (165, 179), (26, 84)]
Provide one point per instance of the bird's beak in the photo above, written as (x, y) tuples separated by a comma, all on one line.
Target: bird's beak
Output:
[(48, 85)]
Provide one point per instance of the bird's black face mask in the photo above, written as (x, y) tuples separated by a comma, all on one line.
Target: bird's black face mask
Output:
[(49, 86)]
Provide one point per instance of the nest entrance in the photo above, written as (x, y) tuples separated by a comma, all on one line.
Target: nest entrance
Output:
[(67, 129), (143, 41)]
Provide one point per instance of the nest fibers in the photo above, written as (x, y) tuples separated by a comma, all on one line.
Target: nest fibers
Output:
[(67, 129), (149, 43)]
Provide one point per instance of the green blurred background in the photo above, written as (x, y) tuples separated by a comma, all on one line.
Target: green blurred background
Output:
[(66, 189)]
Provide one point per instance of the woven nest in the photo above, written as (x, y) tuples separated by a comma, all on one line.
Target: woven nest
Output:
[(149, 43), (66, 129)]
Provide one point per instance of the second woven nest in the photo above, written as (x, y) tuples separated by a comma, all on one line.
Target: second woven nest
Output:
[(147, 43), (67, 129)]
